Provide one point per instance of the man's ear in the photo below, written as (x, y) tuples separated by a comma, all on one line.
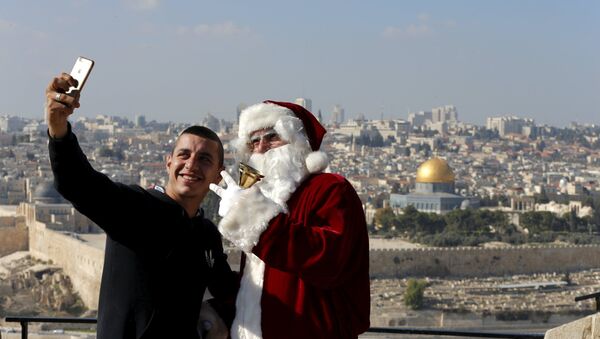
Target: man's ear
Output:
[(168, 162)]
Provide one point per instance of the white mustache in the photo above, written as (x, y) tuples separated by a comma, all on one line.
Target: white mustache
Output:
[(284, 168)]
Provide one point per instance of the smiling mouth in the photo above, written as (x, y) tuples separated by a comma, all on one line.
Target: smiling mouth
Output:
[(189, 177)]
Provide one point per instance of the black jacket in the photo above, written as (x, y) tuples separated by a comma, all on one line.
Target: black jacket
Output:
[(158, 261)]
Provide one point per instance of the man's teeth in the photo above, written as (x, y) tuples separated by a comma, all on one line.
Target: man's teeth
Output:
[(189, 177)]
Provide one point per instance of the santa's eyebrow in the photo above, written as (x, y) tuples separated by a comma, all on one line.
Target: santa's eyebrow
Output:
[(269, 133)]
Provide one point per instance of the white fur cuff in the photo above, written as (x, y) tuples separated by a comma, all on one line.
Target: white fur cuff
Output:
[(248, 218)]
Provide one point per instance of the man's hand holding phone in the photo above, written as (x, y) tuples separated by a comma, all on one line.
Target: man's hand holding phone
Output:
[(62, 96)]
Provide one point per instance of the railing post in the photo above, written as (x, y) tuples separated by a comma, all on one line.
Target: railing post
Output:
[(24, 328), (596, 297)]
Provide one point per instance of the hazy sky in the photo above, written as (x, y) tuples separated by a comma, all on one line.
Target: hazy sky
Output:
[(178, 60)]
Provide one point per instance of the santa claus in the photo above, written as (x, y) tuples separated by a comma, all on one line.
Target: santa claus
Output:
[(305, 262)]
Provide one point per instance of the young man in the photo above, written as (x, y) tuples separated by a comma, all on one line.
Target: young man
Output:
[(161, 253), (303, 232)]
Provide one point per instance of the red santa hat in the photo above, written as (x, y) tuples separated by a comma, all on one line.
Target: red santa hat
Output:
[(292, 122)]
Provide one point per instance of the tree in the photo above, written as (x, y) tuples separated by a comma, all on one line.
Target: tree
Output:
[(384, 219), (380, 198), (414, 222), (107, 152), (542, 198), (376, 140), (572, 216), (413, 296), (567, 278), (503, 200)]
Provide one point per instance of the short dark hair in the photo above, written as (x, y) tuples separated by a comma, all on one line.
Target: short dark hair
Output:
[(207, 133)]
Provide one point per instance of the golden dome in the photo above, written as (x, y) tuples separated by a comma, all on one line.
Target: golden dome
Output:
[(435, 170)]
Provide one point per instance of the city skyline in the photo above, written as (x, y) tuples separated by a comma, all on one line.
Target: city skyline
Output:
[(179, 62)]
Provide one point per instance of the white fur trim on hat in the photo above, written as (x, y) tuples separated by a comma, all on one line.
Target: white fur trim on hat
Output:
[(267, 115), (259, 116), (316, 161)]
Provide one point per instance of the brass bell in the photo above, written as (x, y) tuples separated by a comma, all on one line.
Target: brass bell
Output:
[(248, 176)]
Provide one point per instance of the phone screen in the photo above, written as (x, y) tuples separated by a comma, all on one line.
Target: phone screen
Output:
[(81, 70)]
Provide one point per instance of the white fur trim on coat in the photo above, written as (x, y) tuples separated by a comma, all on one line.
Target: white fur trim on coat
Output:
[(248, 218), (248, 313)]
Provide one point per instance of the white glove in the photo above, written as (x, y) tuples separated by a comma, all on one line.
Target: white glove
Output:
[(229, 196), (210, 325)]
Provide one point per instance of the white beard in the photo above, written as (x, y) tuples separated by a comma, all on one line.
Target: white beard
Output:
[(284, 169)]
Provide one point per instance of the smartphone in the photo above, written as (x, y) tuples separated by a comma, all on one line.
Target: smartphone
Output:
[(81, 71)]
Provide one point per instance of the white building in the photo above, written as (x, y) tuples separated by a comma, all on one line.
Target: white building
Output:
[(510, 125), (11, 124), (337, 115), (304, 102)]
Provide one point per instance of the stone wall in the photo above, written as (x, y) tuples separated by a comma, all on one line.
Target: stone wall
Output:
[(585, 328), (81, 262), (13, 239), (473, 262)]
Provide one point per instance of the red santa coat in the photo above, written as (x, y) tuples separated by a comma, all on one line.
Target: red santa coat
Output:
[(316, 264)]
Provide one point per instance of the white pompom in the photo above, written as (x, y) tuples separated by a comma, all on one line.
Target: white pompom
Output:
[(316, 161)]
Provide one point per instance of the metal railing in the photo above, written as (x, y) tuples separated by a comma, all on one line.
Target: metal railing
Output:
[(24, 321), (596, 296), (453, 333)]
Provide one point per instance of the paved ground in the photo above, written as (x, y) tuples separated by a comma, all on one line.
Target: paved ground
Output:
[(96, 240), (8, 210), (381, 243)]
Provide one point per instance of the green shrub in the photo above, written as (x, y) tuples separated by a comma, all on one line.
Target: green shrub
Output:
[(413, 296)]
